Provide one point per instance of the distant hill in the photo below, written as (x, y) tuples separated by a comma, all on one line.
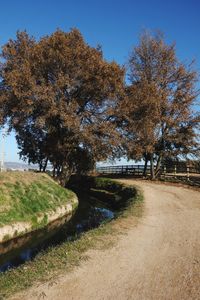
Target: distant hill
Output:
[(19, 166)]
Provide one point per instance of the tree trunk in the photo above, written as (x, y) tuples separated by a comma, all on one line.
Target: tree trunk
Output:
[(58, 171), (158, 165), (145, 168), (64, 176), (152, 168), (45, 165), (54, 171)]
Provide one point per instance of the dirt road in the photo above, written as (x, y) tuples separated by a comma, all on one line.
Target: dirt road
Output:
[(157, 259)]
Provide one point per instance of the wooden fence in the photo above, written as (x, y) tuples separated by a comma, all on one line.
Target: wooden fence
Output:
[(136, 170), (176, 171)]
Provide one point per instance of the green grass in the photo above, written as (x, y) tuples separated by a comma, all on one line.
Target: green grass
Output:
[(116, 195), (54, 261), (25, 195), (108, 184), (183, 181)]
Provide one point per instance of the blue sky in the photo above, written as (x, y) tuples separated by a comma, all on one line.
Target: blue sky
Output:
[(114, 24)]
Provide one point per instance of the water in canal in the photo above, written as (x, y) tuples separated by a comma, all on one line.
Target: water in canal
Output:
[(89, 214)]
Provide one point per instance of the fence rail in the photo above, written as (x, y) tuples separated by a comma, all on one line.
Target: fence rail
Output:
[(176, 171)]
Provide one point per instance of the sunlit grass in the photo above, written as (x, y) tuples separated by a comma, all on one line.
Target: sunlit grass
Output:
[(24, 195)]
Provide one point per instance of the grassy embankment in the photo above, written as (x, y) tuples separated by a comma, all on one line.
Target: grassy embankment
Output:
[(28, 197), (49, 264)]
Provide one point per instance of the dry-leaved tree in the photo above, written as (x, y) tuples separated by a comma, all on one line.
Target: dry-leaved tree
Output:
[(57, 94), (157, 116)]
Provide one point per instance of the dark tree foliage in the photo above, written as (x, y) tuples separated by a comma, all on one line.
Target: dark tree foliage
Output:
[(57, 94)]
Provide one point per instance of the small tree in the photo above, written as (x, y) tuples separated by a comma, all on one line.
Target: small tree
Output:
[(157, 116)]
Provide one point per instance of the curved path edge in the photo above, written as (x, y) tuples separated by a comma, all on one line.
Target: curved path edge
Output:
[(157, 259)]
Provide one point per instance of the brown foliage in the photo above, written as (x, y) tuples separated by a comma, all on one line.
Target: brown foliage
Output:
[(57, 94), (64, 101), (157, 114)]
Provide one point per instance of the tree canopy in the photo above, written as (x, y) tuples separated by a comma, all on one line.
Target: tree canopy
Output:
[(157, 116), (57, 93), (71, 107)]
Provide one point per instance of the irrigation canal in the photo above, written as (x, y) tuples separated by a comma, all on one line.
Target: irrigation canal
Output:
[(89, 214)]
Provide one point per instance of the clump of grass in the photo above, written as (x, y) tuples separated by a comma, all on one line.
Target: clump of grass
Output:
[(107, 184), (6, 237), (53, 261), (192, 182), (117, 195)]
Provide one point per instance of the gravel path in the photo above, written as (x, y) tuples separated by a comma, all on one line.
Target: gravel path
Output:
[(157, 259)]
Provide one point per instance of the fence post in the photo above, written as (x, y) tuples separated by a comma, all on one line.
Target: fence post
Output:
[(175, 170), (164, 172), (188, 173)]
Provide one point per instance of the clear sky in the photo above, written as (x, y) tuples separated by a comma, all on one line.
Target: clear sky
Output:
[(115, 24)]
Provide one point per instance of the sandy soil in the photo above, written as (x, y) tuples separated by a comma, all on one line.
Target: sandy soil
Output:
[(157, 259)]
